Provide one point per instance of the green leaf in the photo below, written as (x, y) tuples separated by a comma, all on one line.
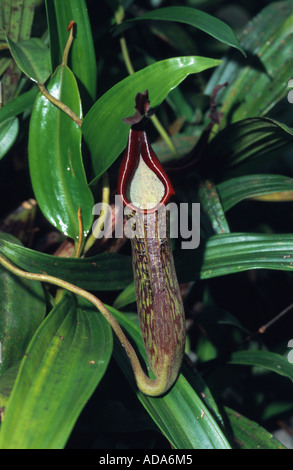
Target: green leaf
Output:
[(101, 272), (18, 105), (259, 82), (22, 309), (245, 144), (82, 57), (265, 359), (196, 18), (211, 204), (248, 434), (32, 57), (8, 134), (63, 365), (105, 132), (7, 380), (55, 160), (235, 190), (277, 408), (214, 320), (233, 253), (182, 416), (126, 297)]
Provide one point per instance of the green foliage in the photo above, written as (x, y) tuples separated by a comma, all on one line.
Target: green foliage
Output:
[(196, 18), (61, 373), (59, 160), (108, 112), (72, 336)]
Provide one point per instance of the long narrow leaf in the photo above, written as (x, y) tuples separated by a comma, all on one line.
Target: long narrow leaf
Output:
[(266, 359), (100, 272), (8, 134), (231, 253), (105, 132), (191, 16), (245, 144), (235, 190), (82, 59)]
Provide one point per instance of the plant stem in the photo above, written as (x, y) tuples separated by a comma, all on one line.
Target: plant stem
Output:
[(59, 104), (68, 44), (264, 328), (102, 217), (164, 134), (126, 56), (78, 243)]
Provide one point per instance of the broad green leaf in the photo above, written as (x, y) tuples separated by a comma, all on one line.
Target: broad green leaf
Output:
[(211, 204), (63, 365), (191, 16), (22, 309), (182, 416), (82, 57), (218, 256), (18, 105), (55, 160), (235, 190), (257, 83), (32, 57), (103, 127), (8, 134), (248, 434), (245, 146), (265, 359)]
